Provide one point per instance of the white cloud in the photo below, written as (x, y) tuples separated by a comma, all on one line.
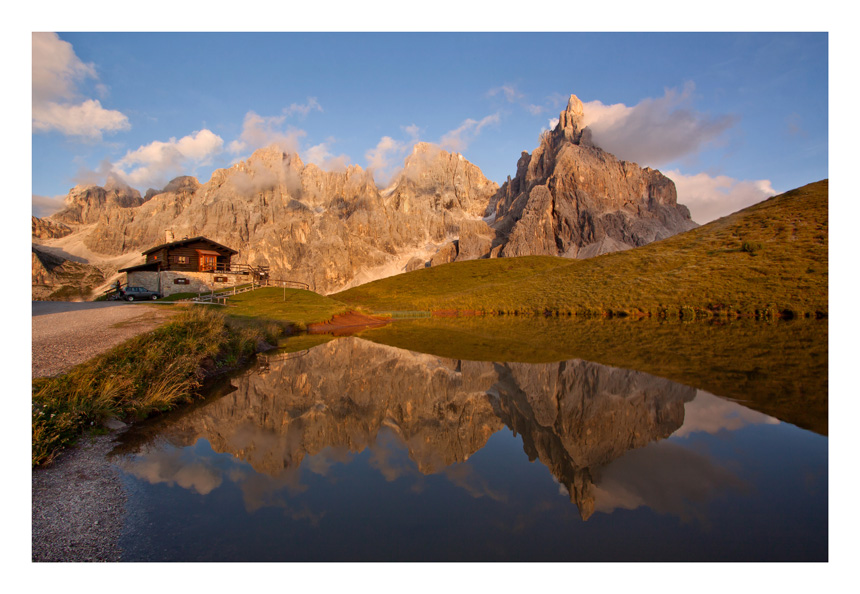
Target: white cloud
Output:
[(654, 131), (459, 138), (57, 105), (259, 131), (321, 156), (413, 131), (303, 109), (509, 91), (317, 154), (710, 198), (156, 163), (44, 206), (384, 158), (513, 95)]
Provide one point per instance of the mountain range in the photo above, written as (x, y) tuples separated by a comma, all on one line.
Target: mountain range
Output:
[(338, 229)]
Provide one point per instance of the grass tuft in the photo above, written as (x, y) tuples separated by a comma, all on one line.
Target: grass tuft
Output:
[(150, 373)]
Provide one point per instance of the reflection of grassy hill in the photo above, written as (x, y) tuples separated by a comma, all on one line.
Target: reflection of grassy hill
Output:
[(778, 368), (768, 258)]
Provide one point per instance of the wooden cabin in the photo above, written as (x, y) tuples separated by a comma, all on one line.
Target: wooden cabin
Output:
[(196, 254), (195, 264)]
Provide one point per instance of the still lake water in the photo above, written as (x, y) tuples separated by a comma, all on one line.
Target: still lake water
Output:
[(359, 449)]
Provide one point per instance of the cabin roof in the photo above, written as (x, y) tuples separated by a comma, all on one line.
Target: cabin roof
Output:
[(186, 241)]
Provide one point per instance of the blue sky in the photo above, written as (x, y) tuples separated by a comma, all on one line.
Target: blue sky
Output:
[(732, 118)]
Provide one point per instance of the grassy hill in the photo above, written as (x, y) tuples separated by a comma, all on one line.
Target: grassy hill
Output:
[(767, 260)]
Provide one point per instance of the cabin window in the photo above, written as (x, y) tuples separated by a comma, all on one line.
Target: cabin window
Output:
[(180, 281), (220, 279), (182, 259)]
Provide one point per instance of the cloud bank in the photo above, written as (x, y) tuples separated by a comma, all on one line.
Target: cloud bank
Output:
[(654, 131), (261, 131), (384, 159), (57, 104), (710, 198), (461, 137), (153, 165), (44, 206)]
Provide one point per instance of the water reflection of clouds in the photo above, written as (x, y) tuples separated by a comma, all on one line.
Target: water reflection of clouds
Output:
[(174, 468), (389, 456), (666, 478), (196, 471), (711, 414), (323, 462), (465, 477)]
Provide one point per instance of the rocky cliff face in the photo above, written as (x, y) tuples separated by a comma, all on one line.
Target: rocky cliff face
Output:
[(48, 229), (570, 198), (334, 230), (88, 203), (58, 279)]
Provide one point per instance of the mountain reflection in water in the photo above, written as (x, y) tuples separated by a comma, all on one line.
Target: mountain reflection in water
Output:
[(589, 424)]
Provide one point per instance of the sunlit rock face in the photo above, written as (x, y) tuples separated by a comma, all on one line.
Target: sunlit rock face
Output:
[(570, 198), (58, 279), (574, 416), (48, 229), (86, 204)]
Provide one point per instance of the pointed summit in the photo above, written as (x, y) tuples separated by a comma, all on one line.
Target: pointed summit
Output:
[(570, 121)]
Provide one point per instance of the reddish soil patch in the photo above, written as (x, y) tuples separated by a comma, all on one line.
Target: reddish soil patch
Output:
[(347, 323)]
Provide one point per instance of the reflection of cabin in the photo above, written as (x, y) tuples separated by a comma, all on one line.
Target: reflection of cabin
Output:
[(193, 265)]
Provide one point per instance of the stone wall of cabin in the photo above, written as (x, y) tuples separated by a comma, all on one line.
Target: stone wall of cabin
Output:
[(198, 282), (148, 279)]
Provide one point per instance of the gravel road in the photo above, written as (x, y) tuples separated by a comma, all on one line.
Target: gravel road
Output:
[(79, 505), (66, 334)]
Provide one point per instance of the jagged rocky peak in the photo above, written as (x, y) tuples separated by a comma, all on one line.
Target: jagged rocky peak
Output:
[(85, 203), (441, 181), (184, 184), (571, 198)]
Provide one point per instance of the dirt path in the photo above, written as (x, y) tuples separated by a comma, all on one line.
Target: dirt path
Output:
[(66, 334)]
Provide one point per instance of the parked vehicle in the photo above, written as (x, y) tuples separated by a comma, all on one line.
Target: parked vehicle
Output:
[(139, 293)]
